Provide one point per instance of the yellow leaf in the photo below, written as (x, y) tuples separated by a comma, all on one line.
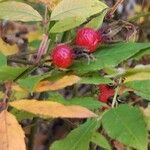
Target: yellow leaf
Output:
[(11, 133), (57, 85), (34, 36), (138, 76), (50, 3), (8, 49), (49, 85), (17, 88), (52, 109)]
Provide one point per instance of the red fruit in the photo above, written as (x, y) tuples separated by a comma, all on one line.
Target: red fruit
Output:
[(62, 56), (105, 92), (88, 38)]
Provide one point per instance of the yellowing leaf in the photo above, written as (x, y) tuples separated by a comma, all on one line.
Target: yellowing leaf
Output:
[(17, 88), (146, 112), (57, 85), (50, 3), (8, 49), (34, 36), (77, 8), (42, 86), (11, 133), (138, 76), (52, 109), (18, 11)]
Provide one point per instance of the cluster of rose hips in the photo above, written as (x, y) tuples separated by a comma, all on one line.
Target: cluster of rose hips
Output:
[(63, 54)]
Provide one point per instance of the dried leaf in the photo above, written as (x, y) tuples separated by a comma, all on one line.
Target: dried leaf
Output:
[(8, 49), (11, 134), (57, 85), (52, 109)]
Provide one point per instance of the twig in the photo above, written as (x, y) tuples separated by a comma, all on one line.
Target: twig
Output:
[(20, 61), (42, 49), (114, 8), (116, 93)]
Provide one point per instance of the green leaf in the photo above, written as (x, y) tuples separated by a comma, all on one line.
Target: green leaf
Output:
[(10, 73), (126, 124), (77, 139), (97, 21), (141, 54), (141, 88), (88, 102), (75, 8), (67, 24), (18, 11), (109, 56), (95, 79), (21, 115), (100, 140), (30, 82), (3, 60)]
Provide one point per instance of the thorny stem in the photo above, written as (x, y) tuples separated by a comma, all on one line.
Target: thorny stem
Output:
[(116, 93), (114, 8)]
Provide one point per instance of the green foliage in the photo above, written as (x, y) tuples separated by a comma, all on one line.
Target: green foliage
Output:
[(100, 140), (126, 124), (97, 21), (67, 24), (3, 60), (21, 115), (141, 88), (110, 56), (10, 73), (30, 82), (141, 54), (88, 102), (77, 139), (95, 79)]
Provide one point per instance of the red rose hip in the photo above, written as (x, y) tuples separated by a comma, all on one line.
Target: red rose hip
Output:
[(62, 56), (88, 38), (105, 93)]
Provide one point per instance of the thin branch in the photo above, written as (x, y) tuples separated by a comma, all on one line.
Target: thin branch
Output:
[(114, 8)]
